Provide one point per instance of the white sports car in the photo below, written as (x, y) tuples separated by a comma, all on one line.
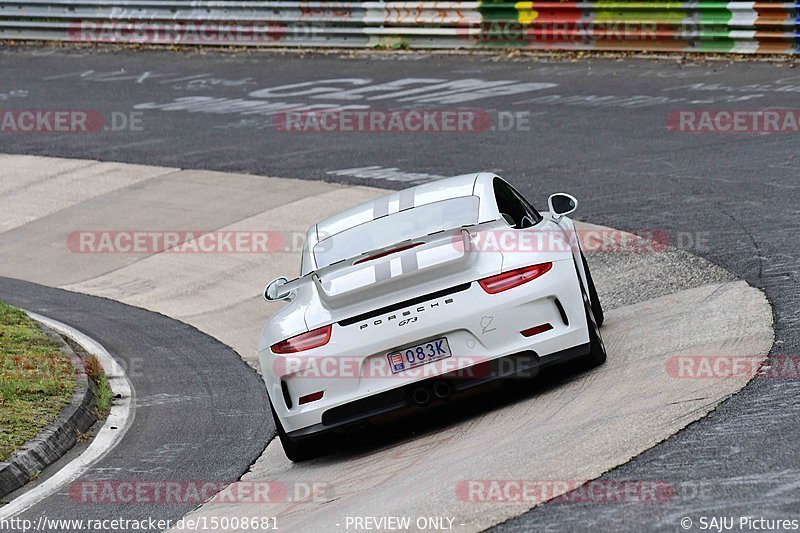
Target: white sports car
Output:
[(420, 295)]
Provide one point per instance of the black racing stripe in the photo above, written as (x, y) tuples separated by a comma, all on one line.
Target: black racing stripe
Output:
[(407, 303)]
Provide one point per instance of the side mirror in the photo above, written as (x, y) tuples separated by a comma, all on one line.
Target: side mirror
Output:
[(561, 205), (275, 291)]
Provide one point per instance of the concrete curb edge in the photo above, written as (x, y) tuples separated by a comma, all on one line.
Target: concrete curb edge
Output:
[(58, 437)]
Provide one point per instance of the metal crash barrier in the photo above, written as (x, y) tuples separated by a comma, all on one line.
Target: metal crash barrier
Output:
[(721, 27)]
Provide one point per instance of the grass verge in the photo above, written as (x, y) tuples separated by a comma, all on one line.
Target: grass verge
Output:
[(36, 379), (96, 373)]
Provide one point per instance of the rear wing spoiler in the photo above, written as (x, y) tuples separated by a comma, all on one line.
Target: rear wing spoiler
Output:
[(383, 271)]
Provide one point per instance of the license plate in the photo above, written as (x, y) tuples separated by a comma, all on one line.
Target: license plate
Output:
[(419, 355)]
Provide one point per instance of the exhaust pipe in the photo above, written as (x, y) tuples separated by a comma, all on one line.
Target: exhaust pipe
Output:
[(442, 390), (421, 396)]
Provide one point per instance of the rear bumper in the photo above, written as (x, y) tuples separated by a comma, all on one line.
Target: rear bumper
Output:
[(520, 365), (479, 327)]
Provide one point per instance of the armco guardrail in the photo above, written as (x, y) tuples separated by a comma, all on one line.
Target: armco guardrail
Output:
[(743, 27)]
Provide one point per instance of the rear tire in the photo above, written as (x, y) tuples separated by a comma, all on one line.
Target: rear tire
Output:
[(597, 308), (597, 348), (295, 450)]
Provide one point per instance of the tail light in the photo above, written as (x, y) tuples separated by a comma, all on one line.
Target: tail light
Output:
[(305, 341), (513, 278)]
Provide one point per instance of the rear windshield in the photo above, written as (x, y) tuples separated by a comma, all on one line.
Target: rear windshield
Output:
[(396, 228)]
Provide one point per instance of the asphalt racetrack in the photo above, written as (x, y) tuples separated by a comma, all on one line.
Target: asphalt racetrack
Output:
[(204, 423), (594, 128)]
